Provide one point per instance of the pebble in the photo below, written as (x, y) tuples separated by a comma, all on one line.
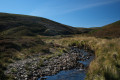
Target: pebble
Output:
[(28, 69)]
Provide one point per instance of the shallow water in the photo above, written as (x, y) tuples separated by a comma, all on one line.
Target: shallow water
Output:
[(68, 75), (73, 74)]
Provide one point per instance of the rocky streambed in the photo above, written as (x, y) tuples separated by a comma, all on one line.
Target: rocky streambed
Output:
[(29, 69)]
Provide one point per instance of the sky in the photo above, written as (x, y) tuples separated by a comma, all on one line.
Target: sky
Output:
[(76, 13)]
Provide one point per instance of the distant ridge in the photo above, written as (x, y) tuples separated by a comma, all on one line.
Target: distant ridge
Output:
[(15, 24), (24, 25), (109, 31)]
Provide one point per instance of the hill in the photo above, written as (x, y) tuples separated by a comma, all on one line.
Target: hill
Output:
[(17, 25), (18, 41), (108, 31), (85, 30)]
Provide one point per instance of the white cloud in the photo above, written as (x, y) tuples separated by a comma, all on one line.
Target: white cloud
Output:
[(48, 9), (92, 5)]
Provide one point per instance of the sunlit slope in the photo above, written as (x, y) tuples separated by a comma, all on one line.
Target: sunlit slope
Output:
[(14, 24), (111, 30)]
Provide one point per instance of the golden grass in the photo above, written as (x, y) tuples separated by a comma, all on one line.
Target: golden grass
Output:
[(106, 65)]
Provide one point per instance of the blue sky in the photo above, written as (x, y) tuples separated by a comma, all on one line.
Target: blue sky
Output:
[(77, 13)]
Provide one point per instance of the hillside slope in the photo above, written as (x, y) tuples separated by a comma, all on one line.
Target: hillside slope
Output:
[(14, 24), (111, 30)]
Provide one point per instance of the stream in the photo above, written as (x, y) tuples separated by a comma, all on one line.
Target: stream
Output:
[(72, 74), (71, 65)]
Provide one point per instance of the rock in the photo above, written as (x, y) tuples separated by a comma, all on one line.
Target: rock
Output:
[(64, 68), (28, 69), (88, 57), (43, 78), (47, 69)]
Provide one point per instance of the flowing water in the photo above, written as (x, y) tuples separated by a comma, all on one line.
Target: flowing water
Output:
[(73, 74)]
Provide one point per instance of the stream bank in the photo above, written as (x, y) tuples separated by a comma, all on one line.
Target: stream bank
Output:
[(78, 72), (71, 60)]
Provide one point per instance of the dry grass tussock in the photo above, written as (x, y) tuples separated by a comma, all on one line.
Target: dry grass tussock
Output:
[(106, 65)]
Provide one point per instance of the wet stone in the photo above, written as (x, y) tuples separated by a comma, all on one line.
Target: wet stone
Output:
[(28, 69)]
